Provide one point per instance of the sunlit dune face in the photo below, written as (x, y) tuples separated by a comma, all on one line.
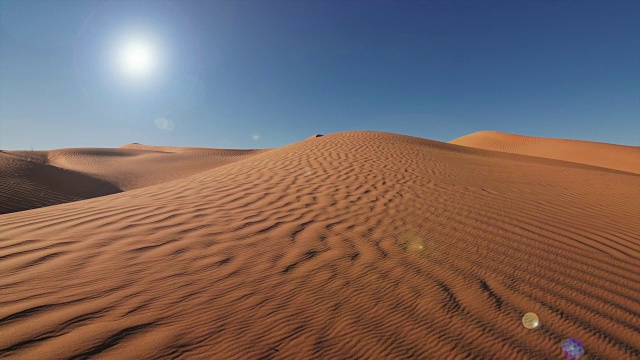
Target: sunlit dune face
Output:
[(137, 58)]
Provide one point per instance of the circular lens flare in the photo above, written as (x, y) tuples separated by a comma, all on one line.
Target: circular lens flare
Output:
[(572, 349), (530, 320)]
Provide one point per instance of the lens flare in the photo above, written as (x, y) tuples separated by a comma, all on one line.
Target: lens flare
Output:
[(572, 349), (530, 320), (164, 124)]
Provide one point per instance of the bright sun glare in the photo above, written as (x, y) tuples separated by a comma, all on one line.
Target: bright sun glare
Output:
[(137, 58)]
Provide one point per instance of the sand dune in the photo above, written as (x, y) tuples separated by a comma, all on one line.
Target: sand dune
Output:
[(619, 157), (33, 179), (27, 183), (135, 166), (350, 245)]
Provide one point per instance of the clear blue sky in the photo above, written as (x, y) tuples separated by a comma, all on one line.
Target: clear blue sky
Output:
[(256, 74)]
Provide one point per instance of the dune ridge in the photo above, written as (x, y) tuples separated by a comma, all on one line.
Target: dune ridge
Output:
[(28, 183), (349, 245), (135, 166), (107, 171), (619, 157)]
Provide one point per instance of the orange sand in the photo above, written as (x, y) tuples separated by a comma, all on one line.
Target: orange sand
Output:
[(32, 179), (625, 158), (352, 245)]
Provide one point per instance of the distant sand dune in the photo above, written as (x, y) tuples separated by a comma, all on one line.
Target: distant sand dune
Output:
[(33, 179), (351, 245), (25, 184), (619, 157), (134, 166)]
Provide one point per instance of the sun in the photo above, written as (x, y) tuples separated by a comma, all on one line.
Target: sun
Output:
[(137, 57)]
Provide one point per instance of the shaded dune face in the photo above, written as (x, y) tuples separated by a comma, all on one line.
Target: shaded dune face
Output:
[(33, 179), (27, 182), (619, 157), (351, 245), (136, 166)]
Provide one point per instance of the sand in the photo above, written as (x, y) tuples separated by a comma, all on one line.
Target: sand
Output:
[(625, 158), (351, 245), (32, 179)]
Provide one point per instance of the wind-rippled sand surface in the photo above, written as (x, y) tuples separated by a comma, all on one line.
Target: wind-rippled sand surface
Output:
[(353, 245)]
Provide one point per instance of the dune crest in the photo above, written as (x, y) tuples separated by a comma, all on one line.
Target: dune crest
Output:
[(618, 157), (357, 245), (33, 179), (28, 182)]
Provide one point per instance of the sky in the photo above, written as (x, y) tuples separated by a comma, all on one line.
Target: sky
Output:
[(262, 74)]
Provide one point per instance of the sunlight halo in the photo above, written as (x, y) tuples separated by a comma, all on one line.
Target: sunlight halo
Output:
[(137, 57)]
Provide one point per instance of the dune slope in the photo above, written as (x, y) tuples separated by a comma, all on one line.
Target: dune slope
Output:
[(135, 166), (33, 179), (26, 183), (351, 245), (619, 157)]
